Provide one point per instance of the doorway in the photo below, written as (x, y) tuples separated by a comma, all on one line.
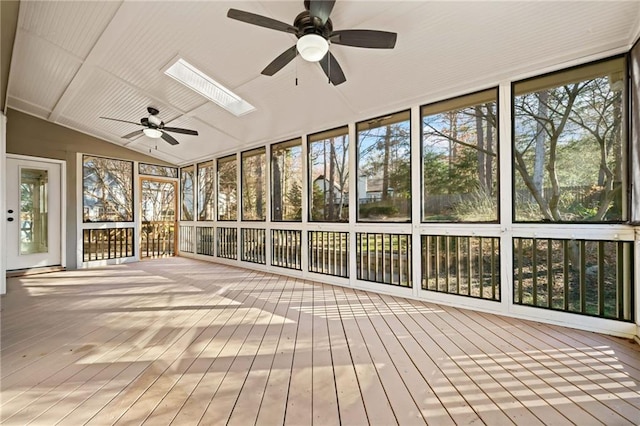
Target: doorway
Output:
[(158, 204), (34, 213)]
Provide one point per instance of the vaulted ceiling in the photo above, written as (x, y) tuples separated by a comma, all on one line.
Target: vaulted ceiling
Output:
[(74, 62)]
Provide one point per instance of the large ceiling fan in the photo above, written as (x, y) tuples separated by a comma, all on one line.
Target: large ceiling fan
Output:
[(154, 127), (314, 31)]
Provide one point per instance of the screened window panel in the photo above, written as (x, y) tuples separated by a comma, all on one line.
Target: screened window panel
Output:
[(155, 170), (206, 200), (186, 193), (384, 169), (635, 131), (569, 155), (329, 176), (460, 159), (107, 188), (286, 181), (254, 184), (227, 188)]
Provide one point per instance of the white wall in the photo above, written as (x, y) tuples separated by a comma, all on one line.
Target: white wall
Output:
[(3, 200)]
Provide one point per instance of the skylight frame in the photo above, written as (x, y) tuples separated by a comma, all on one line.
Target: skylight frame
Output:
[(190, 76)]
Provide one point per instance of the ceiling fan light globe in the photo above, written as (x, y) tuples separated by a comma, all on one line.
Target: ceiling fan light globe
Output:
[(312, 47), (152, 133)]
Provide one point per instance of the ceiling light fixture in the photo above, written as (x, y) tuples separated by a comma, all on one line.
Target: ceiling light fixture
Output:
[(185, 73), (312, 47), (152, 133)]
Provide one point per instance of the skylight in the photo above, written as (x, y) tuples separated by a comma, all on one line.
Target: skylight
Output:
[(196, 80)]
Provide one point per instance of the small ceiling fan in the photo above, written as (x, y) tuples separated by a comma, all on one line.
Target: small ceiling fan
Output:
[(314, 31), (154, 127)]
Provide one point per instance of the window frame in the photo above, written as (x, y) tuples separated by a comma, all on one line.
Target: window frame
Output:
[(382, 118), (133, 204), (226, 159), (625, 136), (266, 196), (497, 157), (310, 140)]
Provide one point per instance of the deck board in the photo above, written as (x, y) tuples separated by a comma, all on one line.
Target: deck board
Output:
[(179, 341)]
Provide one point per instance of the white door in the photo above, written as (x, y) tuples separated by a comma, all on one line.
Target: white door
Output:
[(33, 213)]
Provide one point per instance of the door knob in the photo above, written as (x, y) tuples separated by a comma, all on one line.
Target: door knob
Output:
[(9, 211), (10, 219)]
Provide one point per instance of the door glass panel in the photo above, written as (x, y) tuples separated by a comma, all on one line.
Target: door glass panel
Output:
[(34, 215), (158, 218)]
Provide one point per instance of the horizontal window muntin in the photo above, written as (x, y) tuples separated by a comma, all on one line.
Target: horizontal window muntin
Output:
[(459, 159)]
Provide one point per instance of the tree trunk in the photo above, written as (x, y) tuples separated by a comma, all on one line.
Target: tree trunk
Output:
[(480, 152), (259, 186), (488, 171), (538, 164), (277, 189), (332, 186), (385, 164)]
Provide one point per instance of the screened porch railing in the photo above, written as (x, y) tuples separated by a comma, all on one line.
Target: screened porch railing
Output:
[(462, 265), (329, 253), (286, 248), (253, 245), (157, 239), (227, 243), (589, 277), (186, 238), (384, 258), (205, 240), (104, 244)]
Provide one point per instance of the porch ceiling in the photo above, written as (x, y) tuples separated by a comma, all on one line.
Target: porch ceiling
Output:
[(76, 61)]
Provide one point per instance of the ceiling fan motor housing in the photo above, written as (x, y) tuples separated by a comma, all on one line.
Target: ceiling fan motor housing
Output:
[(307, 24)]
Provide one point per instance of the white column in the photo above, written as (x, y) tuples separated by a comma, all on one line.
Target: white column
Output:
[(506, 189)]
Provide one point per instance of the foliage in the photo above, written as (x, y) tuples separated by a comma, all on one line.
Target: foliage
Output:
[(478, 207), (107, 187), (377, 210), (570, 134)]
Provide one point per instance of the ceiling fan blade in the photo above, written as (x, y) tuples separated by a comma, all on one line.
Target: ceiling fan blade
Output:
[(261, 21), (167, 137), (179, 130), (365, 38), (278, 63), (329, 64), (132, 134), (321, 9), (122, 121)]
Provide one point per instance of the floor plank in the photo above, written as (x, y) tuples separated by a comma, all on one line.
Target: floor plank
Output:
[(180, 341)]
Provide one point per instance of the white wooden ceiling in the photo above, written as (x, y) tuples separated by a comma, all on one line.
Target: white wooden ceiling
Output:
[(76, 61)]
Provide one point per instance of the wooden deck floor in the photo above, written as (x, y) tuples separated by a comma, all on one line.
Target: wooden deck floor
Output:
[(178, 341)]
